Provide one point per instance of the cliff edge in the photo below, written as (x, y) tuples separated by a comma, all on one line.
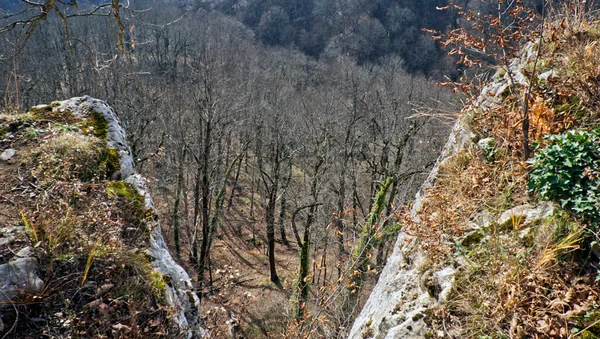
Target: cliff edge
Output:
[(501, 243), (81, 252)]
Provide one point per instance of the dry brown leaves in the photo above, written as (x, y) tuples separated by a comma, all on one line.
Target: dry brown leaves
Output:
[(466, 185)]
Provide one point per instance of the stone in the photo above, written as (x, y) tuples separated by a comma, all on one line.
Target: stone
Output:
[(445, 279), (486, 143), (547, 75), (527, 235), (488, 148), (525, 215), (180, 293), (7, 154), (19, 275), (471, 238), (116, 137)]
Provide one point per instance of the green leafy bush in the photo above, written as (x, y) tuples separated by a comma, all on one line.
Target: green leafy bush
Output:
[(567, 171)]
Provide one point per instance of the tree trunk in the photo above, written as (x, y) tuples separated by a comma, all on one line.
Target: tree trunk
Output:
[(362, 252), (205, 209), (270, 216), (283, 204), (175, 215)]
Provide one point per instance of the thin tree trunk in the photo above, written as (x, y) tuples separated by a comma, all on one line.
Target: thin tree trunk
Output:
[(282, 210), (175, 215), (235, 181), (205, 208)]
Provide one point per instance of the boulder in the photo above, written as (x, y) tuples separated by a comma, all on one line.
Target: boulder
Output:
[(19, 275), (525, 215)]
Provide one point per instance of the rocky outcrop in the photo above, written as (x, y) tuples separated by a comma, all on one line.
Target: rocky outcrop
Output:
[(180, 293), (20, 272), (398, 305), (406, 292)]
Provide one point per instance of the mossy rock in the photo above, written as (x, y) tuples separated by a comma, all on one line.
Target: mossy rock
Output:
[(123, 190), (95, 124), (134, 210), (48, 112), (111, 161), (472, 238), (140, 266)]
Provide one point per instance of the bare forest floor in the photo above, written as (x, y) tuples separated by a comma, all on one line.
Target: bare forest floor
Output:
[(242, 299)]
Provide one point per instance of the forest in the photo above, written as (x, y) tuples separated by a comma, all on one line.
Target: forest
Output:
[(281, 138)]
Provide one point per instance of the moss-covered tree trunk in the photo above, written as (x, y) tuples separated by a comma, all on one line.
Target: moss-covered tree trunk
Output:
[(360, 256)]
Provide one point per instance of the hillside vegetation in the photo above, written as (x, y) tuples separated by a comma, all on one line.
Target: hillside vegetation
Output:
[(522, 231), (281, 139), (81, 251)]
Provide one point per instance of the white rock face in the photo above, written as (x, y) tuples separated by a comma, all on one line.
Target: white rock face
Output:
[(397, 305), (180, 294), (525, 215)]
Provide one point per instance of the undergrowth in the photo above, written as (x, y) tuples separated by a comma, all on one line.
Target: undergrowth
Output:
[(535, 280), (86, 232)]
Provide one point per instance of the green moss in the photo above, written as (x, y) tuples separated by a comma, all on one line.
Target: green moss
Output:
[(133, 206), (122, 190), (158, 285), (587, 335), (48, 112), (142, 278), (40, 112), (591, 322), (111, 161), (96, 125)]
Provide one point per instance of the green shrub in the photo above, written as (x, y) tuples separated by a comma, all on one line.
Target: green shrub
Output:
[(567, 171)]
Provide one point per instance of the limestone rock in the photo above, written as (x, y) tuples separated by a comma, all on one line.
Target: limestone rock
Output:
[(19, 275), (7, 154), (397, 307), (116, 137), (525, 215), (180, 292)]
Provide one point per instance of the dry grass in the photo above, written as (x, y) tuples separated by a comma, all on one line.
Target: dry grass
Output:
[(512, 285), (97, 283), (466, 186)]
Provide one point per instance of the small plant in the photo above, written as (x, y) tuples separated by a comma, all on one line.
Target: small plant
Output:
[(29, 227), (567, 171)]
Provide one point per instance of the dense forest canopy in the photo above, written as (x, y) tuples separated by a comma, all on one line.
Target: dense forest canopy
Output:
[(367, 31)]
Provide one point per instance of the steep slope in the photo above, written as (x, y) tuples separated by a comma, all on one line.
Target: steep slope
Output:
[(482, 253), (82, 248)]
